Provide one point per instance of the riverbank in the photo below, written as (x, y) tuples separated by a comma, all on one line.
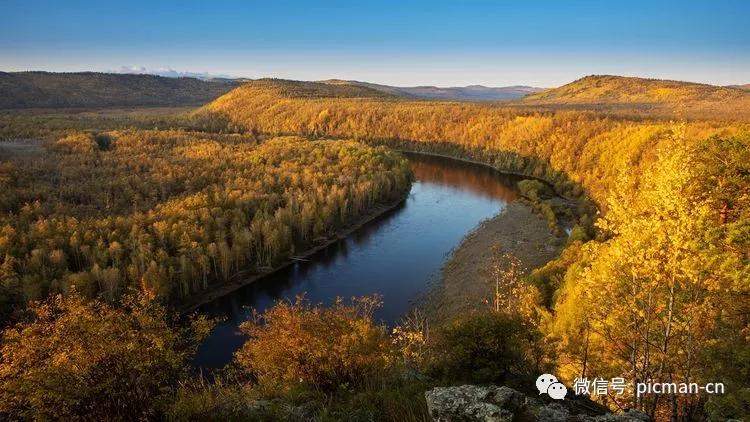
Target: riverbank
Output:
[(243, 279), (464, 284)]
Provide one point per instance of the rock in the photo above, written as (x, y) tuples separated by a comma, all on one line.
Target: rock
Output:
[(553, 412), (636, 415), (630, 415), (473, 403), (497, 404)]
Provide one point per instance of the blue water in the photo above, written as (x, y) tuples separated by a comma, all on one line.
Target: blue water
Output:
[(396, 256)]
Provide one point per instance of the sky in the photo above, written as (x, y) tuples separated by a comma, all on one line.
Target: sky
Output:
[(406, 43)]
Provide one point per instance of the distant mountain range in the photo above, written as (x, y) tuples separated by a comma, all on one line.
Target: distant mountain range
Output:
[(463, 93), (91, 89)]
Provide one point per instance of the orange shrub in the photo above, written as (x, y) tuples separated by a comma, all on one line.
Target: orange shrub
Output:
[(82, 143), (76, 359), (324, 348)]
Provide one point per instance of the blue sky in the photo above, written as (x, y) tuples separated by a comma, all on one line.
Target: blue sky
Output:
[(541, 43)]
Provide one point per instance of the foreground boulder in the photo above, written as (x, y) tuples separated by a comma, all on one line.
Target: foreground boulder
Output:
[(497, 404)]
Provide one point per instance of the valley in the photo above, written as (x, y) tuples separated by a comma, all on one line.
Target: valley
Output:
[(273, 200)]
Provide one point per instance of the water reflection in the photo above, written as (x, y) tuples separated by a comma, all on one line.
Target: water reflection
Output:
[(465, 176), (394, 256)]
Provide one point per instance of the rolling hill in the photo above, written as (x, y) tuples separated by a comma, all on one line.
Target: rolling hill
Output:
[(606, 89), (458, 93), (278, 107), (285, 88), (464, 93), (89, 89), (649, 98)]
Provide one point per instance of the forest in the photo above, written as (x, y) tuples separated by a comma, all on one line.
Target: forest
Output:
[(572, 149), (173, 213), (660, 291), (652, 285)]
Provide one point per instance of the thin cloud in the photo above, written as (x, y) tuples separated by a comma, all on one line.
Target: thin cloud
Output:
[(167, 72)]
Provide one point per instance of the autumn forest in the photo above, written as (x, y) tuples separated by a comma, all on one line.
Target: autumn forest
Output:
[(127, 219), (402, 211)]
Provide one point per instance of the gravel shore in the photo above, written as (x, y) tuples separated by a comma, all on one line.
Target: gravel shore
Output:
[(464, 284)]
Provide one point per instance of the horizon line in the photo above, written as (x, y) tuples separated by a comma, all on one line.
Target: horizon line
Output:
[(209, 76)]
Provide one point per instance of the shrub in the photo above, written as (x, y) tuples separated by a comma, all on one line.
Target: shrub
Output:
[(82, 143), (732, 406), (103, 141), (225, 401), (485, 348), (75, 359), (551, 276), (323, 348), (395, 399), (578, 234), (532, 189), (398, 400)]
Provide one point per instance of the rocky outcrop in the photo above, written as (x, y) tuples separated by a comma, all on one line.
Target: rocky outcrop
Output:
[(467, 403), (473, 403)]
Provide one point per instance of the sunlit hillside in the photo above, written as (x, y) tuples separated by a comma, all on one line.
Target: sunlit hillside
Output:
[(301, 89), (620, 89), (375, 211), (91, 89), (658, 214), (675, 98), (543, 143), (672, 199)]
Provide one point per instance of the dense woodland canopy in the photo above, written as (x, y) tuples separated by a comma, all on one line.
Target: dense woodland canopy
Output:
[(656, 288), (661, 293), (175, 212), (568, 148)]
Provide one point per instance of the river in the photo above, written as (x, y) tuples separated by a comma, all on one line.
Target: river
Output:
[(396, 256)]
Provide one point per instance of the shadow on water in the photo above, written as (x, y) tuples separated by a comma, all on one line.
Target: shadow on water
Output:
[(394, 256)]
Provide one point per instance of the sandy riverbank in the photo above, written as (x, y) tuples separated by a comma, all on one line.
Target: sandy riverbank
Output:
[(464, 283)]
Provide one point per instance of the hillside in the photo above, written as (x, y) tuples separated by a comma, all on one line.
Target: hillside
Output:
[(89, 89), (673, 213), (174, 213), (607, 89), (646, 98), (305, 108), (463, 93), (285, 88)]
